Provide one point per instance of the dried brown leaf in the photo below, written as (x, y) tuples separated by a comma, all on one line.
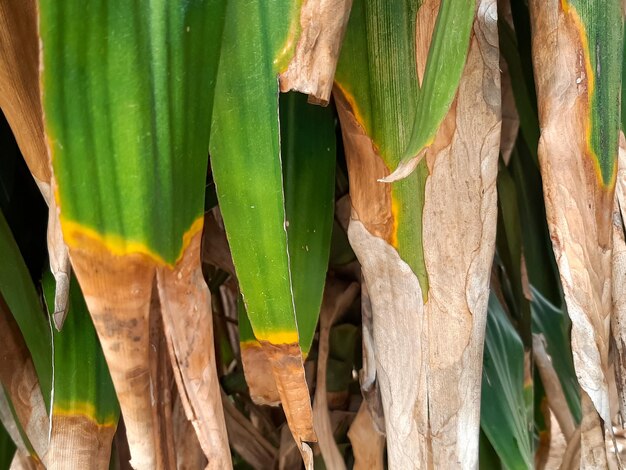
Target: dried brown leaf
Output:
[(118, 290), (578, 209), (21, 104), (79, 442), (460, 201), (434, 421), (553, 388), (189, 454), (312, 69), (188, 324), (618, 317), (288, 453), (368, 445), (21, 385), (367, 375), (161, 376), (246, 439), (398, 329), (259, 377), (338, 296), (19, 83), (592, 445)]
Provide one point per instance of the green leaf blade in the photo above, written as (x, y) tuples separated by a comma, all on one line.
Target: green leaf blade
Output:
[(503, 406), (308, 154), (19, 293), (129, 157)]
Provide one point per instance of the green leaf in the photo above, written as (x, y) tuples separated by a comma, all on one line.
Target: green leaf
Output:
[(7, 448), (382, 90), (281, 272), (308, 159), (538, 254), (623, 101), (245, 158), (444, 67), (18, 291), (525, 101), (509, 246), (308, 155), (340, 250), (246, 334), (503, 415), (82, 384), (343, 342), (601, 28), (127, 92), (554, 325), (487, 457)]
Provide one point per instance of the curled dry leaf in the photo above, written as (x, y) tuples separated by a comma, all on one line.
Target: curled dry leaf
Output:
[(338, 296), (186, 309), (189, 454), (21, 384), (59, 265), (24, 462), (592, 446), (21, 104), (447, 331), (8, 421), (161, 376), (367, 375), (19, 84), (258, 372), (368, 445), (618, 318), (288, 455), (120, 314), (397, 308), (286, 363), (510, 118), (578, 114), (256, 366), (460, 201), (553, 388), (215, 249), (246, 439), (312, 68)]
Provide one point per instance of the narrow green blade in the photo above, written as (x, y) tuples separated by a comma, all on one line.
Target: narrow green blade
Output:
[(19, 293), (82, 383), (442, 75), (623, 101), (245, 158), (503, 414), (554, 325), (7, 448), (524, 101), (602, 36), (510, 251), (538, 254), (308, 155)]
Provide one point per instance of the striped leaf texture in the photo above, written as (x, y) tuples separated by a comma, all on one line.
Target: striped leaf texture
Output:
[(577, 62), (120, 84), (396, 229), (251, 146)]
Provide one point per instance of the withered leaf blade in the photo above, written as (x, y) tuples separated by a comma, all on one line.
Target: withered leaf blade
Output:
[(577, 63)]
